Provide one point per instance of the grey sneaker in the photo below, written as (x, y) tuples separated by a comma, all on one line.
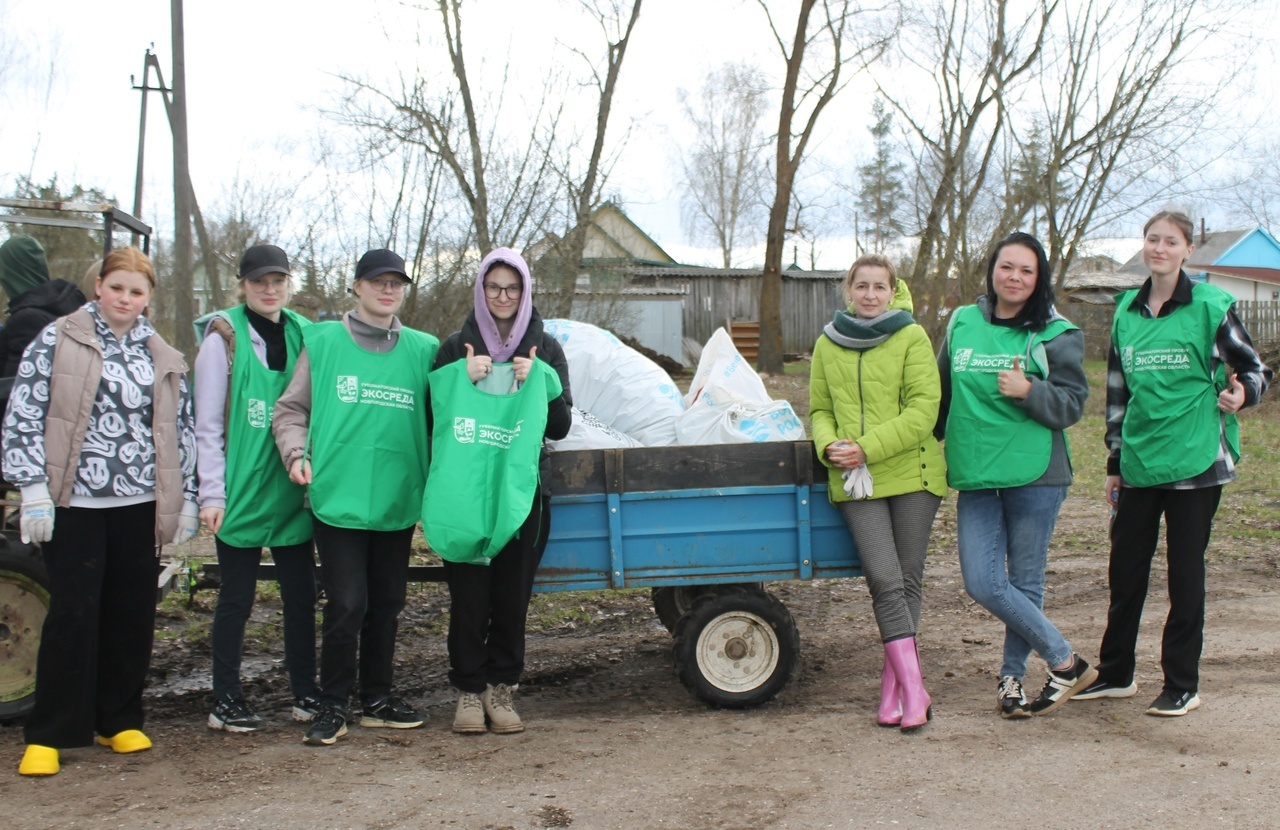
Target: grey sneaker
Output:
[(234, 715), (498, 707), (468, 718), (1104, 688), (1064, 685), (1012, 698), (1173, 704)]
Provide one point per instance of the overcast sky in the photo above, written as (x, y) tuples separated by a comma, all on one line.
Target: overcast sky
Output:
[(259, 70)]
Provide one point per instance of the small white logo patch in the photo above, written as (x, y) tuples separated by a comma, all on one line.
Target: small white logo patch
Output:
[(348, 388)]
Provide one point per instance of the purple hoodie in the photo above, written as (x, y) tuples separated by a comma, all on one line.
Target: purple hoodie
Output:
[(502, 351)]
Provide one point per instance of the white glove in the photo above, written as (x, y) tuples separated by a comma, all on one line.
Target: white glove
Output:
[(857, 482), (36, 523), (188, 523)]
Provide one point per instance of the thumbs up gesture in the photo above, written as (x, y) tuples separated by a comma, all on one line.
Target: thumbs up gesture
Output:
[(1012, 383), (478, 365), (1232, 398), (524, 364)]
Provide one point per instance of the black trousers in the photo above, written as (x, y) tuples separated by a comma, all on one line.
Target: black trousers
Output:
[(1188, 517), (488, 605), (365, 574), (296, 573), (95, 648)]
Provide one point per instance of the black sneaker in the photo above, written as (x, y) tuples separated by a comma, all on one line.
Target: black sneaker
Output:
[(1064, 685), (234, 715), (391, 712), (306, 708), (1173, 704), (1012, 698), (329, 725), (1105, 688)]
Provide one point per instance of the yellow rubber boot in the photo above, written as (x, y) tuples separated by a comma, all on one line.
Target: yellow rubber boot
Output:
[(39, 760), (130, 740)]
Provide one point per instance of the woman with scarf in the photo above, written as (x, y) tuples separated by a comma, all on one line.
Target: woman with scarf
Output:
[(1013, 380), (873, 402), (498, 346)]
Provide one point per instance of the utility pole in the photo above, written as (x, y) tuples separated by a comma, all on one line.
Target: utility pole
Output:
[(148, 61), (184, 335)]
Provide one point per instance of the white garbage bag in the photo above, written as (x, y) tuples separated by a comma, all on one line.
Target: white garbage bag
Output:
[(622, 388), (728, 403), (590, 433)]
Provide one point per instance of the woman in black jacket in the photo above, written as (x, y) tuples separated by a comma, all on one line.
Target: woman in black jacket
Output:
[(500, 341)]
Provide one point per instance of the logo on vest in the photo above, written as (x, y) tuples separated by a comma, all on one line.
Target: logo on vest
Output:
[(1155, 360), (464, 430), (966, 361), (259, 418), (348, 388)]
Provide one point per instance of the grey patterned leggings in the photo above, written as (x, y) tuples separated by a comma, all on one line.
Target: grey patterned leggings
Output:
[(892, 535)]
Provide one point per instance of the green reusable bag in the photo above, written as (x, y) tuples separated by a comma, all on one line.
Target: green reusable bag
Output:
[(484, 461)]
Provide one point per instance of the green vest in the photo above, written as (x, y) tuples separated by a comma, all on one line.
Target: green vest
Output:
[(264, 508), (368, 435), (991, 442), (1172, 426), (484, 461)]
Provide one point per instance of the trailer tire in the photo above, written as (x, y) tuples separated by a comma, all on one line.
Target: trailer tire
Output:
[(24, 603), (736, 649), (671, 602)]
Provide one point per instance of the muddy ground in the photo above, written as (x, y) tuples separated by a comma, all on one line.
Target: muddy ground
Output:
[(615, 741)]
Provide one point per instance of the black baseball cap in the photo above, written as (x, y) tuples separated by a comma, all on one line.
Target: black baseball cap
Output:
[(380, 261), (261, 260)]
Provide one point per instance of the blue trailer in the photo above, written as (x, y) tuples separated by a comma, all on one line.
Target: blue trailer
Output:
[(702, 527)]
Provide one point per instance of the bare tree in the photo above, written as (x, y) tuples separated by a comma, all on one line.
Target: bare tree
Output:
[(726, 169), (824, 36), (1120, 106), (511, 181), (977, 53), (559, 269)]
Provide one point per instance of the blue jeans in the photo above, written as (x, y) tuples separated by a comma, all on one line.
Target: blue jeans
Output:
[(1004, 547)]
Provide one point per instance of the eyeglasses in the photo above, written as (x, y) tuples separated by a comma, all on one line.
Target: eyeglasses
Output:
[(494, 291), (393, 286)]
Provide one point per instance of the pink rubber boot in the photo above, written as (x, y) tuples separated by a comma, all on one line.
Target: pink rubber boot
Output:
[(890, 697), (906, 669)]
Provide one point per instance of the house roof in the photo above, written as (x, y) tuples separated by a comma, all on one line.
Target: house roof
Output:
[(1099, 287)]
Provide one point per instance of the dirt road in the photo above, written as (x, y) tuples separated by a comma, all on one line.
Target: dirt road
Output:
[(614, 741)]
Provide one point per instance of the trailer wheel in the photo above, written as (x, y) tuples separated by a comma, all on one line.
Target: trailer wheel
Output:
[(24, 603), (736, 648), (672, 602)]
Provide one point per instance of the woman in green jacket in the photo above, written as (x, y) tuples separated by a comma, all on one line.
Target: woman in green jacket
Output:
[(873, 401)]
